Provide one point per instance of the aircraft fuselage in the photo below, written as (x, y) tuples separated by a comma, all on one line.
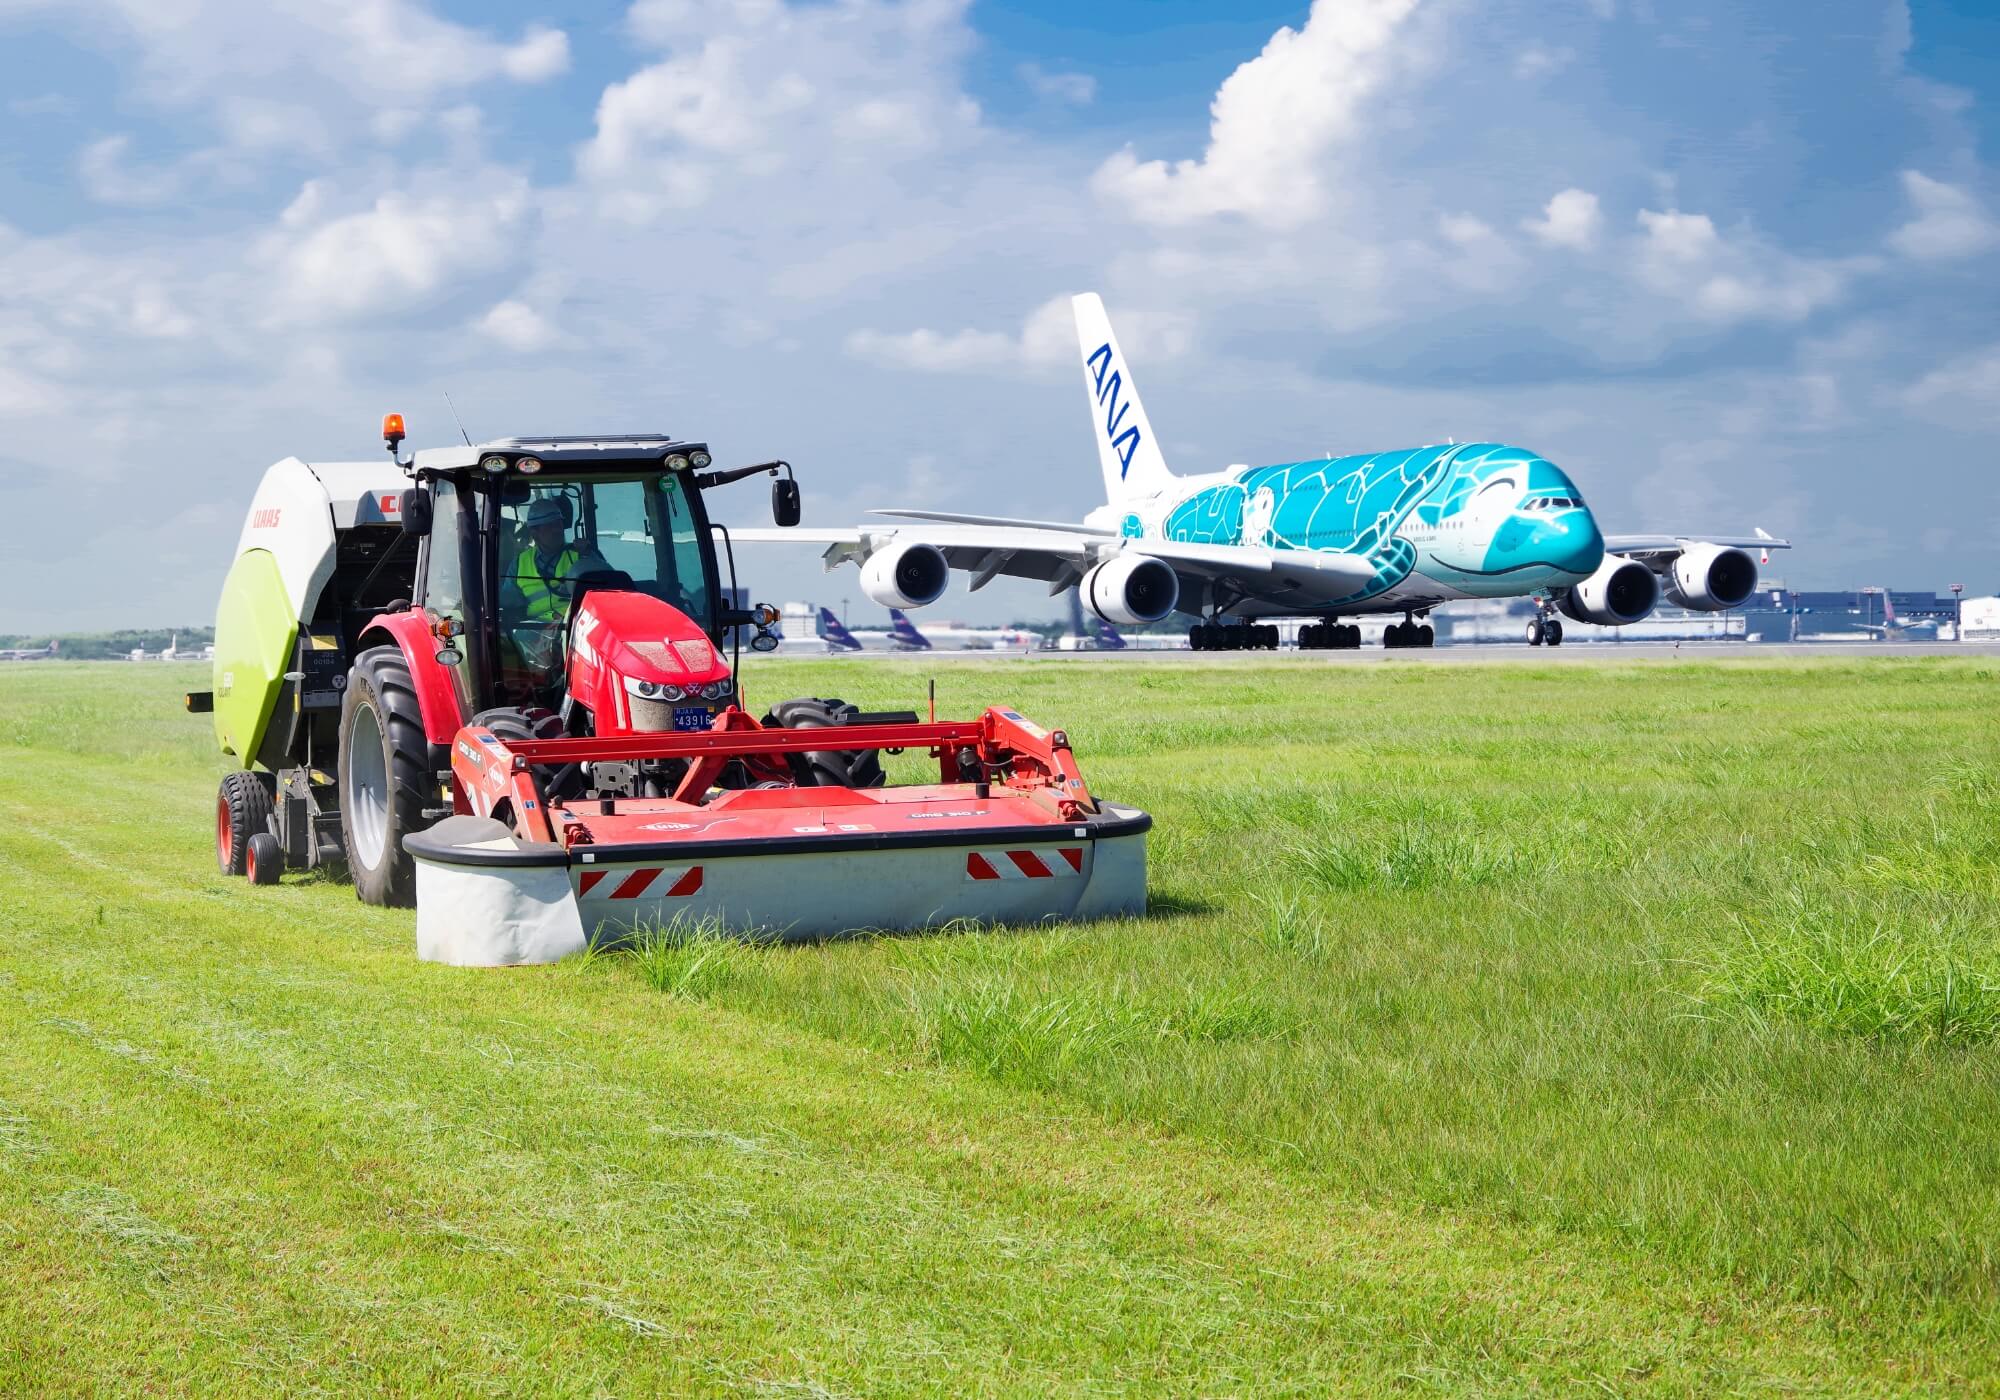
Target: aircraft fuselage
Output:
[(1466, 520)]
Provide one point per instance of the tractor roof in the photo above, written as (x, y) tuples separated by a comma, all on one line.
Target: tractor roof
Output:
[(607, 448)]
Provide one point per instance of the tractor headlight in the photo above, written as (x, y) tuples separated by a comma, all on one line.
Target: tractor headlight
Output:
[(718, 690), (528, 466), (496, 465), (677, 462), (653, 690), (699, 459)]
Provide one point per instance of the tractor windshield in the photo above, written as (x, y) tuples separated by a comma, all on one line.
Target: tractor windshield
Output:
[(635, 532)]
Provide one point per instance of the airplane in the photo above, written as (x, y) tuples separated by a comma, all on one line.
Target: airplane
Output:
[(1896, 629), (1326, 537), (30, 653), (835, 634), (903, 633)]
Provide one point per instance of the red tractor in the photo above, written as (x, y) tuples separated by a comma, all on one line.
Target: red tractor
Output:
[(529, 637)]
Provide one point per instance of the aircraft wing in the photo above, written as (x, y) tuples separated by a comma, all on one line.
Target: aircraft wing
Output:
[(1059, 555), (1664, 549)]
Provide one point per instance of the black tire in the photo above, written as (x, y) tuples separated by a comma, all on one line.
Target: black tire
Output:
[(1552, 631), (829, 767), (1536, 633), (1427, 636), (244, 806), (511, 723), (264, 859), (534, 722), (387, 780)]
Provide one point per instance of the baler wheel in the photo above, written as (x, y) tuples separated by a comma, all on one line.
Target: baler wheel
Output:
[(828, 767), (265, 859), (243, 807), (387, 776)]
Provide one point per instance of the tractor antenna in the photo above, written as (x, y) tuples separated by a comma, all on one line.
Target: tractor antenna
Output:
[(456, 419)]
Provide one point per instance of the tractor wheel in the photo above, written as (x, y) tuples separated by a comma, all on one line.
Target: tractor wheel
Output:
[(830, 767), (534, 722), (265, 859), (243, 807), (387, 776), (509, 723)]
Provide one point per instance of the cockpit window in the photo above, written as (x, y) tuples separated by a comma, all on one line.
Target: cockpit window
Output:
[(1552, 503)]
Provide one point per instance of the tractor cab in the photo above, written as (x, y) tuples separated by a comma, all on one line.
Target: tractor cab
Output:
[(577, 577)]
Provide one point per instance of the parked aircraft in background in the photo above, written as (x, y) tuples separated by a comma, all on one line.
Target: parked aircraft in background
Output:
[(903, 633), (1895, 629), (46, 653), (835, 634), (1327, 538)]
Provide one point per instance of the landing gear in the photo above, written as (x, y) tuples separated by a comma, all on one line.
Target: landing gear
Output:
[(1409, 633), (1546, 629), (1329, 636), (1218, 636)]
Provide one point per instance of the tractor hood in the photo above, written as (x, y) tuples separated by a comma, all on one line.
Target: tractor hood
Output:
[(642, 665)]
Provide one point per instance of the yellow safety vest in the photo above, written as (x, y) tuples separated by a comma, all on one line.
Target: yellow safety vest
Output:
[(544, 603)]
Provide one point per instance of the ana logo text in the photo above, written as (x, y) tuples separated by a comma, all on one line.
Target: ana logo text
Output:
[(1108, 383)]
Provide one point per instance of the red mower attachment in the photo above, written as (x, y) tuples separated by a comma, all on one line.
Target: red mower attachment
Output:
[(1009, 833)]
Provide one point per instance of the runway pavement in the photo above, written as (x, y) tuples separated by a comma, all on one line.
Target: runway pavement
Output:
[(1483, 653)]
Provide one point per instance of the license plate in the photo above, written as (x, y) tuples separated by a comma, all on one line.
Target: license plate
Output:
[(691, 717)]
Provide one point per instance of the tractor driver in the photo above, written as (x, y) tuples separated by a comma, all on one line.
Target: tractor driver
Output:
[(535, 592), (548, 563)]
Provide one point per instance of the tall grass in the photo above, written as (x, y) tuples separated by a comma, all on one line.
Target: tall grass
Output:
[(1848, 970), (687, 957)]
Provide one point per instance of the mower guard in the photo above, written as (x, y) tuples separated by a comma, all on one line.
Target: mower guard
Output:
[(1011, 835)]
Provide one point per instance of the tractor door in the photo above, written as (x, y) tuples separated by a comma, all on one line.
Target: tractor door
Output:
[(448, 581)]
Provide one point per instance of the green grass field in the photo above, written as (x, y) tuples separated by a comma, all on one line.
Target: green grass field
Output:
[(1625, 1028)]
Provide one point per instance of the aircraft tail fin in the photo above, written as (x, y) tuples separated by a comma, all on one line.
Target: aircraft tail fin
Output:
[(1127, 450), (905, 631), (835, 632), (1107, 636)]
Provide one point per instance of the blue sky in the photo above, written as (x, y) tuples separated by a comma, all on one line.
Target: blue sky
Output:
[(1730, 264)]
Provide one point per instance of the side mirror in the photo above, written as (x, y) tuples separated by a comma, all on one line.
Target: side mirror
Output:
[(416, 512), (785, 501)]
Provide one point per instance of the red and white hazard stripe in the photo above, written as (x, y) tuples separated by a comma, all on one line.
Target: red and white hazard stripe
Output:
[(1059, 863), (660, 881)]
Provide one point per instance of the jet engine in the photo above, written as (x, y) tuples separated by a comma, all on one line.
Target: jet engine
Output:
[(905, 575), (1620, 592), (1711, 577), (1131, 590)]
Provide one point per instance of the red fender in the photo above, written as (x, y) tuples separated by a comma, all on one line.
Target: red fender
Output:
[(437, 699)]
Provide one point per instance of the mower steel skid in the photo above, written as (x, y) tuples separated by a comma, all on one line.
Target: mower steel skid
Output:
[(1009, 833)]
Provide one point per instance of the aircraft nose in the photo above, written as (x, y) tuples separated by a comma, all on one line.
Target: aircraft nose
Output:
[(1579, 545)]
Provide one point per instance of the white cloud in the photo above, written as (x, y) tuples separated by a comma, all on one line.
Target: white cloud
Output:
[(1481, 260), (1046, 340), (1949, 222), (395, 255), (1076, 89), (108, 179), (1538, 61), (1571, 219), (1682, 257), (1275, 121), (517, 326), (541, 54), (299, 75), (1964, 391), (750, 90), (1676, 238)]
